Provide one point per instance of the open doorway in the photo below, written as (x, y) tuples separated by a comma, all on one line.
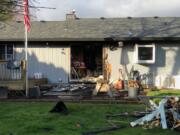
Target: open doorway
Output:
[(86, 62)]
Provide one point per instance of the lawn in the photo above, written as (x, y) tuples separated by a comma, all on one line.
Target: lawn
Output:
[(32, 118), (164, 92)]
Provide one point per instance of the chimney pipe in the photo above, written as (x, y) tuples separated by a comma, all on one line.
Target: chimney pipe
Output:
[(71, 15)]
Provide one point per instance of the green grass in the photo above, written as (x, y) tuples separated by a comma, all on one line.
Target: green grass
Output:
[(164, 92), (32, 118)]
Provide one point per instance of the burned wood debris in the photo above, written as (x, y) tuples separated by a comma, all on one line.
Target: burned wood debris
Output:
[(71, 91), (166, 114), (102, 86)]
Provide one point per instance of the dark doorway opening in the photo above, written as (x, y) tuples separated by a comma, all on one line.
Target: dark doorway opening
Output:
[(86, 62)]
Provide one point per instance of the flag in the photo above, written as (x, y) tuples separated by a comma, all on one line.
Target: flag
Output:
[(26, 15)]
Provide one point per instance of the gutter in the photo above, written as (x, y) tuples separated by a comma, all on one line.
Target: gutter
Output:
[(110, 39)]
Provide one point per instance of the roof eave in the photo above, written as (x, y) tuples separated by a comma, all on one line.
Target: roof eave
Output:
[(114, 39)]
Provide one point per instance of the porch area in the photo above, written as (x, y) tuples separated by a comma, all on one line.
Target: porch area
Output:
[(12, 76)]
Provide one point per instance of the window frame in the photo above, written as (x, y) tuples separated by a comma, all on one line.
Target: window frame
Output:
[(6, 46), (136, 53)]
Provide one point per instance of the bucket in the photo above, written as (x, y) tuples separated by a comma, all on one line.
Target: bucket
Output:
[(132, 92), (3, 92), (34, 92)]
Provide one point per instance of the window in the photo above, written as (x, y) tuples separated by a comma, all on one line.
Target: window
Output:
[(6, 52), (2, 52), (145, 54)]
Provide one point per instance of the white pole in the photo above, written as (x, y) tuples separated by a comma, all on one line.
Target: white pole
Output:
[(26, 62)]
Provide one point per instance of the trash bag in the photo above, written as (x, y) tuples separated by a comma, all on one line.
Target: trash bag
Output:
[(60, 107), (13, 64)]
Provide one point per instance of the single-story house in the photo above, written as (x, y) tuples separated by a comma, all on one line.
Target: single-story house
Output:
[(75, 48)]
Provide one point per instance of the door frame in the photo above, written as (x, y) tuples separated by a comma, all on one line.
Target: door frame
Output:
[(104, 50)]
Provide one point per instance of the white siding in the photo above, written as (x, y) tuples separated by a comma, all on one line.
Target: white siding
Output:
[(114, 59), (167, 62), (52, 62)]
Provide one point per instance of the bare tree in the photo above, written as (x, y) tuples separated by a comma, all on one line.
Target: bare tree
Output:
[(10, 8), (6, 9)]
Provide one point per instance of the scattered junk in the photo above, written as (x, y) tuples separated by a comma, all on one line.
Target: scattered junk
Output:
[(133, 87), (72, 91), (3, 92), (134, 84), (138, 82), (34, 92), (60, 107), (127, 88), (101, 86), (166, 114), (89, 83), (119, 84), (90, 79), (157, 114)]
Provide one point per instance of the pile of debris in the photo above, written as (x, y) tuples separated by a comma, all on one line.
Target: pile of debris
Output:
[(71, 91), (166, 114)]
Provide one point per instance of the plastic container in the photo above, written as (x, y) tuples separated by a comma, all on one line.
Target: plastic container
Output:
[(132, 92), (34, 92), (3, 92), (38, 76)]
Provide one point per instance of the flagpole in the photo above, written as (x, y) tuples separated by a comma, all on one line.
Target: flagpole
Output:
[(26, 62)]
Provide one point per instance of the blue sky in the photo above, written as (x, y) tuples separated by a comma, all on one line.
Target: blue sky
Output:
[(107, 8)]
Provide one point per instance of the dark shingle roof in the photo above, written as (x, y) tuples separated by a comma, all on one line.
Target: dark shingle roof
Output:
[(93, 29)]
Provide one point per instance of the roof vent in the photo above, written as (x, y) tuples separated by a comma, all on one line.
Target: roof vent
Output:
[(129, 17), (18, 21), (156, 17), (42, 21), (102, 18)]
